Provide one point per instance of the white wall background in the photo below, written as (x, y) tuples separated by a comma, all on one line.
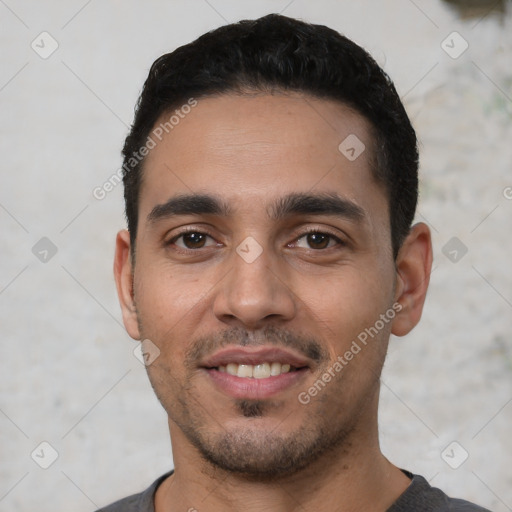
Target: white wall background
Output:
[(69, 376)]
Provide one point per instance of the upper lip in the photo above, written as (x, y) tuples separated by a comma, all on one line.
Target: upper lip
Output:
[(253, 356)]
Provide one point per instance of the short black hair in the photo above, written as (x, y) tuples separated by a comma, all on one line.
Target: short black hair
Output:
[(278, 53)]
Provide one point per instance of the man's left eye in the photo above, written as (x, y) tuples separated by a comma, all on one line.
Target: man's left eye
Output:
[(317, 240)]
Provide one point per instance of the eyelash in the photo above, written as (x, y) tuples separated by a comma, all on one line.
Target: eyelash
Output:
[(306, 232)]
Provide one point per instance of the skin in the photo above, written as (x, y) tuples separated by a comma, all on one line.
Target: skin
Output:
[(250, 150)]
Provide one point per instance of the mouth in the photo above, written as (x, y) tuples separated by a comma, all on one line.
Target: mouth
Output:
[(255, 373)]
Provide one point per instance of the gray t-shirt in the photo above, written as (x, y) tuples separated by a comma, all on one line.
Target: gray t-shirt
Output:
[(418, 497)]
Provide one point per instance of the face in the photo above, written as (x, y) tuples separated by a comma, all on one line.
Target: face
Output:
[(263, 257)]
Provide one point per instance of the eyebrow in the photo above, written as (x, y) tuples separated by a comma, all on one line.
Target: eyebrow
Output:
[(291, 204)]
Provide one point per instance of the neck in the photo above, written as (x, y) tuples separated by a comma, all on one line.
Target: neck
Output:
[(352, 476)]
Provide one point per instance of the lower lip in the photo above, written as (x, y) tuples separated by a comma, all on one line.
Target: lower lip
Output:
[(258, 389)]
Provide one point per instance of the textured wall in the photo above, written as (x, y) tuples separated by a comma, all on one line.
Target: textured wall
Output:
[(69, 377)]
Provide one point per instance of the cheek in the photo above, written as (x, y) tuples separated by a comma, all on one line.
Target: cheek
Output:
[(347, 302), (163, 303), (347, 316), (164, 294)]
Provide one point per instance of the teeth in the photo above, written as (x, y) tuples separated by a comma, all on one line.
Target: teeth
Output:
[(261, 371), (245, 370), (257, 371), (275, 369), (232, 369)]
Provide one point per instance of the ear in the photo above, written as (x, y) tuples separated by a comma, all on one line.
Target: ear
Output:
[(413, 267), (124, 283)]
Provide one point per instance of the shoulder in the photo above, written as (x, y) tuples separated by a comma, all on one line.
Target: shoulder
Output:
[(129, 504), (457, 505), (141, 502), (422, 497)]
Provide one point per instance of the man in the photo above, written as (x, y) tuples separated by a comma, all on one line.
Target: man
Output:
[(270, 184)]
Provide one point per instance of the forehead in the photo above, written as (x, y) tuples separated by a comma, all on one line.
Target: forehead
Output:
[(252, 149)]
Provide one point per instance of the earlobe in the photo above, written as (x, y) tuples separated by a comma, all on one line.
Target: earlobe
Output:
[(413, 267), (124, 283)]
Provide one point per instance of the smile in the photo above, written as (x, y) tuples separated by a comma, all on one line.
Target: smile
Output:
[(256, 371)]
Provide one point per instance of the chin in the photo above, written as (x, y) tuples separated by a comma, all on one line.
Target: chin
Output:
[(265, 453)]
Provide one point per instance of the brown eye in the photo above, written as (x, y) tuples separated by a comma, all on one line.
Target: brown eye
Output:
[(317, 240), (192, 240)]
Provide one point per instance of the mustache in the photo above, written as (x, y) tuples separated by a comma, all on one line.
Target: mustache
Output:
[(270, 335)]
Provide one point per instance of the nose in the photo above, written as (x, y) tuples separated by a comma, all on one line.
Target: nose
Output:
[(254, 293)]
